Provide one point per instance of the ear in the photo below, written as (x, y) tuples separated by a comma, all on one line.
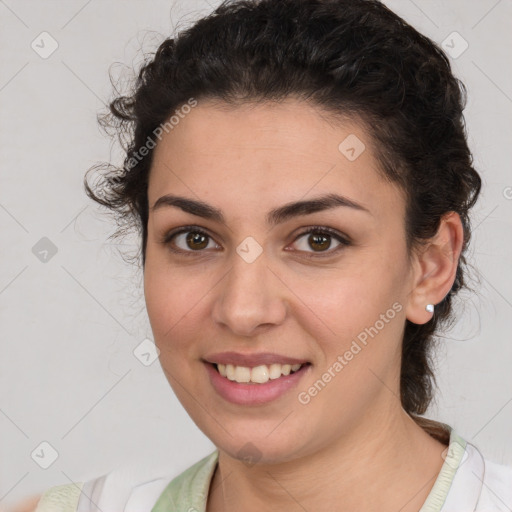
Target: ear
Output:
[(435, 267)]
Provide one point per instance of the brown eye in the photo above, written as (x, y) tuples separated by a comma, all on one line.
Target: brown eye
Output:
[(196, 241), (189, 240), (319, 242), (316, 241)]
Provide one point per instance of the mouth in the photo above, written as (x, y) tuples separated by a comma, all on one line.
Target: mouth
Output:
[(260, 374), (255, 385)]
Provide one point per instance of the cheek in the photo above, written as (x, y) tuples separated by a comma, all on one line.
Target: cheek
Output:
[(165, 301), (160, 303), (359, 337), (355, 309), (347, 299), (175, 299)]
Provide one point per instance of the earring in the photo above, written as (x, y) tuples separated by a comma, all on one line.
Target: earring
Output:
[(430, 308)]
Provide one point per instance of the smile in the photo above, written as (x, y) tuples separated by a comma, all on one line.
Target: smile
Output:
[(251, 386), (258, 374)]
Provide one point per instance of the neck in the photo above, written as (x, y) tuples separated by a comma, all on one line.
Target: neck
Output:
[(392, 467)]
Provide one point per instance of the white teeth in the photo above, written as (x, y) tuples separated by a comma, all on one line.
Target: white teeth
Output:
[(275, 371), (258, 374), (286, 369), (242, 374), (230, 372)]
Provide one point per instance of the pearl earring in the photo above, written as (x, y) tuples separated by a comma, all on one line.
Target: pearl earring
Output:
[(430, 308)]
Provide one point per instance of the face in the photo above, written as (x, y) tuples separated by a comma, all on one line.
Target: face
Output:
[(236, 272)]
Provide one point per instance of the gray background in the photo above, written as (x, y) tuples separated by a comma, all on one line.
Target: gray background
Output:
[(69, 326)]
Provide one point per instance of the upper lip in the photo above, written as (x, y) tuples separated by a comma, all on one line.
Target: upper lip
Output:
[(239, 359)]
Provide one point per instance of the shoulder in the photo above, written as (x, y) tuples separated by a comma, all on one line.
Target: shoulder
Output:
[(130, 488), (124, 488), (468, 481), (60, 498), (190, 489), (496, 487), (489, 482)]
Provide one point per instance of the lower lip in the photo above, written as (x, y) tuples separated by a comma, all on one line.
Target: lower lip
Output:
[(253, 394)]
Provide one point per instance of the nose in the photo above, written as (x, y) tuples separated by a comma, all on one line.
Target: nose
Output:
[(250, 298)]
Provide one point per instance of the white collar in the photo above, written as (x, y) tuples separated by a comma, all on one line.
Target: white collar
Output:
[(466, 487)]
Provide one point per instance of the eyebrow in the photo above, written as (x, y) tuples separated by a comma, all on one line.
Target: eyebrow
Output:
[(275, 216)]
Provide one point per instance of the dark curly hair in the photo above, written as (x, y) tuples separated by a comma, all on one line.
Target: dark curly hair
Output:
[(354, 58)]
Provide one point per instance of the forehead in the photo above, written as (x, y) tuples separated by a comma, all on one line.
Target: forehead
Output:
[(267, 154)]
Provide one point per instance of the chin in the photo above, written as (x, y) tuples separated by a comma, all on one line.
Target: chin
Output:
[(267, 448)]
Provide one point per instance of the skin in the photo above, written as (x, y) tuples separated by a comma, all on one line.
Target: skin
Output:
[(28, 504), (352, 447)]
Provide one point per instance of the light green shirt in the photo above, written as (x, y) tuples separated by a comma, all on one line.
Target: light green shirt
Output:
[(465, 483), (188, 492)]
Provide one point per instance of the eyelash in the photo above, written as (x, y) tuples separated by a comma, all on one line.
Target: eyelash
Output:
[(323, 230)]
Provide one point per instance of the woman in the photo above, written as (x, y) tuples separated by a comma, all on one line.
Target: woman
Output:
[(300, 176)]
